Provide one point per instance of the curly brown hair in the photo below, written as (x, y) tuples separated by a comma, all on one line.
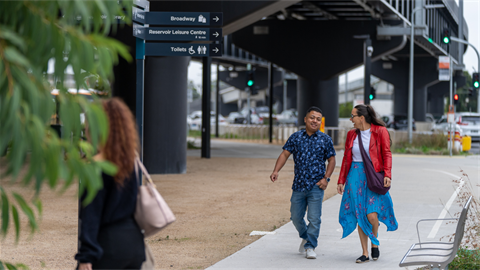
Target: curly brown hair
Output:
[(122, 142)]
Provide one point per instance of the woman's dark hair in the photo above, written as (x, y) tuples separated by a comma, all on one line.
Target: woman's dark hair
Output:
[(313, 108), (122, 142), (370, 115)]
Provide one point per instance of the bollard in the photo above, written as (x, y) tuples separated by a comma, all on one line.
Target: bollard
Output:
[(466, 143), (457, 140)]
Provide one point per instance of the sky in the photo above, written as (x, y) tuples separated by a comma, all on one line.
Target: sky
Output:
[(471, 14)]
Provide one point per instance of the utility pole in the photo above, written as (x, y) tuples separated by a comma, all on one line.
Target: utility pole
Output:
[(410, 79), (346, 88)]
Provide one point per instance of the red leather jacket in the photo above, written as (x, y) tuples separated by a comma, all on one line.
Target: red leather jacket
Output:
[(379, 150)]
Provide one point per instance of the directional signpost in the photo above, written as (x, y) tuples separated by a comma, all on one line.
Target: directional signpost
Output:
[(155, 30), (177, 33), (182, 49), (178, 18)]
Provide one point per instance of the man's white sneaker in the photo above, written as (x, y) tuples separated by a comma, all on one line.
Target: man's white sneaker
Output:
[(301, 249), (311, 253)]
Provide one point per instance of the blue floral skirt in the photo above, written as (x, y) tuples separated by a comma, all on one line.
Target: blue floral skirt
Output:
[(358, 201)]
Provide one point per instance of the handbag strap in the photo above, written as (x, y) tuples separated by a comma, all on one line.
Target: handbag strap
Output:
[(139, 163), (362, 150)]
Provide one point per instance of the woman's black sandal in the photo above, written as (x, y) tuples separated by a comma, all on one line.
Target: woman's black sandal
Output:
[(375, 253), (362, 259)]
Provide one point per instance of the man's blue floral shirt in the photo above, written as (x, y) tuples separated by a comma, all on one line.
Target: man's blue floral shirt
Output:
[(309, 155)]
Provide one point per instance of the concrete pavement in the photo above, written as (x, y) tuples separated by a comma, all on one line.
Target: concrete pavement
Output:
[(422, 188)]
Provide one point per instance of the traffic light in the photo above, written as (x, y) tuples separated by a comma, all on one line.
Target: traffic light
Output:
[(476, 80), (250, 78), (446, 36), (471, 90), (455, 99), (251, 82), (373, 93)]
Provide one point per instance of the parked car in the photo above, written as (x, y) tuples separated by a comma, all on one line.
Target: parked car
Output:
[(387, 119), (256, 115), (468, 122), (196, 121), (262, 112), (400, 122), (288, 117), (236, 118), (429, 118)]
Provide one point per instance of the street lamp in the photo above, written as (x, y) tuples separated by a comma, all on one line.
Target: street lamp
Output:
[(410, 86)]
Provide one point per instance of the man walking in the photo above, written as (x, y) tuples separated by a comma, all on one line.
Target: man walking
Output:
[(310, 149)]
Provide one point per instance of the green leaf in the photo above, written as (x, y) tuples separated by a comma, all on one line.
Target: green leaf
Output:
[(10, 266), (5, 212), (52, 165), (81, 7), (22, 266), (16, 222), (27, 211), (38, 203), (87, 148), (11, 36), (108, 167), (1, 266), (14, 56)]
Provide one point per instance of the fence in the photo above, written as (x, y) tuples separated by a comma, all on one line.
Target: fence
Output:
[(280, 133), (259, 133)]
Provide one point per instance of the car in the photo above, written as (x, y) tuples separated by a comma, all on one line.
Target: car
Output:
[(236, 118), (196, 122), (400, 122), (387, 119), (195, 115), (262, 112), (468, 122), (288, 117), (257, 114), (429, 118)]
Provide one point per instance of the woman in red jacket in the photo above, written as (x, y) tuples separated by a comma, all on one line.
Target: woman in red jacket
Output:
[(360, 206)]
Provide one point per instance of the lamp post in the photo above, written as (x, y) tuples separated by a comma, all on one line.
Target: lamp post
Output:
[(410, 79)]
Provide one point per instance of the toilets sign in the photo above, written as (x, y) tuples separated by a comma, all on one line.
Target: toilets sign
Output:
[(182, 49)]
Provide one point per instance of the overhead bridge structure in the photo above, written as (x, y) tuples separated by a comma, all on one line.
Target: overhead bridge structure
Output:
[(314, 40)]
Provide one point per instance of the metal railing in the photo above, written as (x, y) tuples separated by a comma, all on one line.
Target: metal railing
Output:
[(281, 133)]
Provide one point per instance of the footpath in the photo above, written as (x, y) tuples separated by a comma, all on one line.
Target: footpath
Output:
[(422, 188)]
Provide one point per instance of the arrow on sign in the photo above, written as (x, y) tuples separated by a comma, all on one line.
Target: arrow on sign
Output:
[(216, 19), (215, 50), (216, 34)]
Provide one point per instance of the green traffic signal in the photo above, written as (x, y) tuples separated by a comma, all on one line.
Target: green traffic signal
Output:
[(371, 96), (446, 35), (476, 84), (250, 82)]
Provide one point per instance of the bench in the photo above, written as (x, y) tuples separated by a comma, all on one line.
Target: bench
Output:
[(436, 255)]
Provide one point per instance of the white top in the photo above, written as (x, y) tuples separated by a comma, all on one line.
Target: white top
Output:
[(357, 155)]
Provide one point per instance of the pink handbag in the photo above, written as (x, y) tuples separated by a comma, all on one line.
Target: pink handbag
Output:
[(152, 212)]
